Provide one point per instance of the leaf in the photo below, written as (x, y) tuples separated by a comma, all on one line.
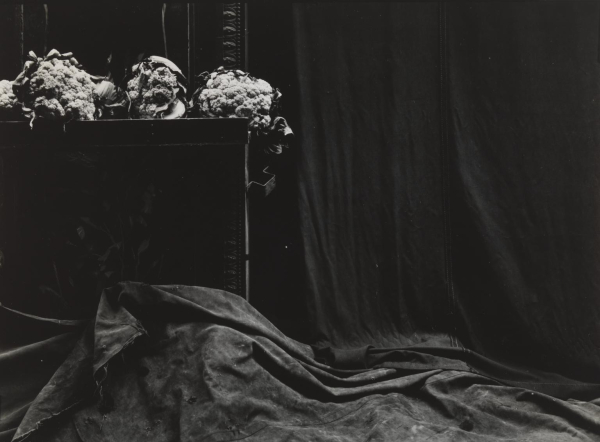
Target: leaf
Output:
[(147, 198), (81, 232), (106, 91), (45, 289), (162, 108), (52, 54), (143, 246), (166, 62), (106, 254), (90, 223), (176, 110), (143, 80)]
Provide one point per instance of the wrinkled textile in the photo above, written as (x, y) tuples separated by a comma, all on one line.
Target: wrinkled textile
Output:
[(31, 350), (186, 363), (524, 193), (369, 172), (449, 177)]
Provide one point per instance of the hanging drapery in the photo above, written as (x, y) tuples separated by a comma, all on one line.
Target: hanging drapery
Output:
[(370, 171), (449, 178)]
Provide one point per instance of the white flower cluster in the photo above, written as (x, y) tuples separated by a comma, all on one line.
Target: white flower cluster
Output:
[(236, 94), (8, 100), (58, 89)]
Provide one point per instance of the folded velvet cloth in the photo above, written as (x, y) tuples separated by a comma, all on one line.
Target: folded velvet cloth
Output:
[(177, 363)]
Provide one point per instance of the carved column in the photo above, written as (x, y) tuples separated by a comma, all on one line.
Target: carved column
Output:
[(233, 45), (232, 54)]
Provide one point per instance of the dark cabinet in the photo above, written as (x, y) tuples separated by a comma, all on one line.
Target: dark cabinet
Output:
[(87, 204)]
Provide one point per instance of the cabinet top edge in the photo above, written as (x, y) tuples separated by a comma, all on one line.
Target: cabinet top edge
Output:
[(185, 131)]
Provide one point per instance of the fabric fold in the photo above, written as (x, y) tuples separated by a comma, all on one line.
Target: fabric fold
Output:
[(191, 363)]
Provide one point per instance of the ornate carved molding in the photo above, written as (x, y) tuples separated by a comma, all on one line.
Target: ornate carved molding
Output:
[(233, 55), (234, 36), (235, 230)]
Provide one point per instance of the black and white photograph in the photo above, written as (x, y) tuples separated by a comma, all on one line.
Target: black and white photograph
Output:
[(299, 221)]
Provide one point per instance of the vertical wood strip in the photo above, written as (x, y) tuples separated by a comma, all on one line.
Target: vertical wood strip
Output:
[(191, 25), (21, 33), (46, 29), (232, 54)]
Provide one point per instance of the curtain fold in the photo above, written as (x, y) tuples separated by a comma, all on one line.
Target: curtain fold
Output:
[(524, 83), (512, 269), (370, 191)]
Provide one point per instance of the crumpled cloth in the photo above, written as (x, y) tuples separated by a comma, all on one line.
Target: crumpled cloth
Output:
[(177, 363)]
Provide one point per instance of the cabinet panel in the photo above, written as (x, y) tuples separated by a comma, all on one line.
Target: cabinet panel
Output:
[(79, 214)]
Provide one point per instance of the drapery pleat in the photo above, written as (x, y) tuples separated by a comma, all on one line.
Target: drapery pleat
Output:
[(370, 171), (490, 236), (524, 83)]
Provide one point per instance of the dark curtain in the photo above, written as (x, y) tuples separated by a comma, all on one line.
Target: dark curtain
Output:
[(524, 83), (449, 177), (370, 171)]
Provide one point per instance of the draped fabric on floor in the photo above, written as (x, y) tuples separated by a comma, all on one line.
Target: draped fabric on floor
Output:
[(176, 363), (449, 192)]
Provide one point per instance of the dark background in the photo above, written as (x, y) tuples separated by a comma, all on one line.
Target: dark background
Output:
[(449, 177), (443, 188), (126, 33)]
